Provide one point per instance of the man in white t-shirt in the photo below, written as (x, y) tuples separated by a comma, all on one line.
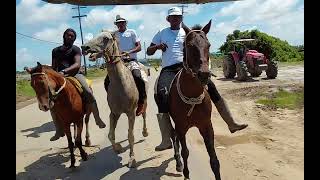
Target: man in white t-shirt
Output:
[(129, 44), (170, 41)]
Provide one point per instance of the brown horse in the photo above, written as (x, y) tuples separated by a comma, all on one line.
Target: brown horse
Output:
[(189, 101), (55, 92)]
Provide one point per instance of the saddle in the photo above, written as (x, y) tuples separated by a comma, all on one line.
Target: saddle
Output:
[(77, 84)]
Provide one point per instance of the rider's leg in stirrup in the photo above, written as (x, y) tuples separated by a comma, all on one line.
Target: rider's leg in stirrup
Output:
[(142, 91), (91, 100)]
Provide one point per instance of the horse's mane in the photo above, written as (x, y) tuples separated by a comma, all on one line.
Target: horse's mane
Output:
[(197, 27), (44, 67)]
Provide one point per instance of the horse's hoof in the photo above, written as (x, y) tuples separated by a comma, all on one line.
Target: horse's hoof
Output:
[(72, 166), (179, 168), (88, 143), (186, 178), (145, 133), (84, 157), (117, 148), (132, 163)]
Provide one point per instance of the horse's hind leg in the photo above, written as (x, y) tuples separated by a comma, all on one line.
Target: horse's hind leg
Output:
[(131, 119), (74, 131), (83, 154), (176, 147), (208, 137), (184, 153), (144, 131), (111, 136), (70, 145), (86, 120)]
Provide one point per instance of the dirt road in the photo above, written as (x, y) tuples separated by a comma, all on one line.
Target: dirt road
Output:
[(272, 147)]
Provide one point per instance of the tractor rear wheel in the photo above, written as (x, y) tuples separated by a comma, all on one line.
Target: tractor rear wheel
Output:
[(229, 68)]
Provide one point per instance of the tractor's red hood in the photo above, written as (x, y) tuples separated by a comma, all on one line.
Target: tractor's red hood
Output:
[(254, 54)]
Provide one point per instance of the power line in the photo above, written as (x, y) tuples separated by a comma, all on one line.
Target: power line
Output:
[(37, 38)]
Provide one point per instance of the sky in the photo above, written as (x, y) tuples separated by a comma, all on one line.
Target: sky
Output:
[(280, 18)]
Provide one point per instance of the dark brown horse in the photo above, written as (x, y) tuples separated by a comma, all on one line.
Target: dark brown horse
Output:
[(189, 101), (55, 92)]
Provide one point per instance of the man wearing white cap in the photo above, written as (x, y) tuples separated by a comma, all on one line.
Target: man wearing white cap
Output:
[(129, 44), (170, 41)]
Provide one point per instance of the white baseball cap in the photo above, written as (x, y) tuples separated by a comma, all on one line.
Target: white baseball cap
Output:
[(174, 11)]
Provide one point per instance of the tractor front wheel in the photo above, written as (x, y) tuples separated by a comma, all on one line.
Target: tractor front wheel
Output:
[(272, 70), (242, 73)]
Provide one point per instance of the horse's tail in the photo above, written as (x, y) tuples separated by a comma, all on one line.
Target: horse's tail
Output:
[(106, 83)]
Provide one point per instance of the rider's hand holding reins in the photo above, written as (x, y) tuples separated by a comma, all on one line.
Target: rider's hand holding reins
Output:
[(162, 46)]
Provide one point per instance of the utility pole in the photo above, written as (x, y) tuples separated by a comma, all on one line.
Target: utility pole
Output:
[(182, 9), (79, 17), (145, 52)]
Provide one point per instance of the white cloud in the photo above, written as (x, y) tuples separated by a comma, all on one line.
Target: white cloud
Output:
[(88, 36), (52, 34), (32, 13), (282, 20), (192, 9), (24, 58), (23, 55), (141, 27), (102, 16)]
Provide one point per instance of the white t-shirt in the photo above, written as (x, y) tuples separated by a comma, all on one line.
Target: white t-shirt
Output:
[(127, 40), (174, 40)]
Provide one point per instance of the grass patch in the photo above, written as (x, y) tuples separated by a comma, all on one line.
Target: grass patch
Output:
[(284, 99), (96, 73), (23, 88)]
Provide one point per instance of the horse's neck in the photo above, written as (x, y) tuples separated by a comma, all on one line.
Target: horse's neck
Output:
[(190, 86), (117, 72), (56, 79)]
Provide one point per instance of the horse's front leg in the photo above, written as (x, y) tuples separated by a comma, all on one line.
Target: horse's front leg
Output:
[(184, 153), (208, 137), (145, 131), (176, 147), (131, 119), (111, 136), (70, 145), (86, 120), (83, 154)]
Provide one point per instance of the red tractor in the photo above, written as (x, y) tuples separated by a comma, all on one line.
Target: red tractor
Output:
[(243, 60)]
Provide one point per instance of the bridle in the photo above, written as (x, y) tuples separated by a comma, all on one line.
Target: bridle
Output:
[(188, 100), (108, 54), (52, 94), (185, 63)]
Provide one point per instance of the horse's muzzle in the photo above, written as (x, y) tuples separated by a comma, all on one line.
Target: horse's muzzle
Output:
[(203, 77)]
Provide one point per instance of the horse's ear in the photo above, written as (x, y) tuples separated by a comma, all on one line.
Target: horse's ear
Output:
[(185, 28), (39, 64), (27, 69), (206, 28)]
